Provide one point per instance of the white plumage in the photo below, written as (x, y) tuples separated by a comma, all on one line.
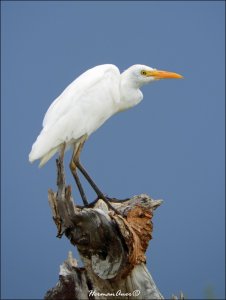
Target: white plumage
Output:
[(88, 102)]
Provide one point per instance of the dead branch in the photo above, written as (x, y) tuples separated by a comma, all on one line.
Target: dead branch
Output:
[(112, 246)]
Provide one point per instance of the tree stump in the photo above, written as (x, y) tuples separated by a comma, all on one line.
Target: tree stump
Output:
[(112, 246)]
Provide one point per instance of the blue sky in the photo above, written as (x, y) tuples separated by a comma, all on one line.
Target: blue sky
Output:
[(171, 146)]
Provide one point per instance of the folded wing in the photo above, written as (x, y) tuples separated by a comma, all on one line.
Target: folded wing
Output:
[(82, 107)]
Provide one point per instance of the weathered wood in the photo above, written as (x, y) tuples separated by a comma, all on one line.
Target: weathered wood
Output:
[(73, 282), (112, 246)]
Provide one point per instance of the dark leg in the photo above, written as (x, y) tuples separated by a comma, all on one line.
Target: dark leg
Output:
[(77, 180), (86, 175), (89, 179), (94, 186)]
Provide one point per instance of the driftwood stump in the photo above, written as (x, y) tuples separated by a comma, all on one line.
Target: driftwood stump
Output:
[(112, 246)]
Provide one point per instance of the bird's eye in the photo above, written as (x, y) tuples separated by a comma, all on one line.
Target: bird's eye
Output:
[(143, 73)]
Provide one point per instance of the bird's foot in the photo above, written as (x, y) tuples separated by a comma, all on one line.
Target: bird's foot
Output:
[(110, 206), (116, 199), (107, 200)]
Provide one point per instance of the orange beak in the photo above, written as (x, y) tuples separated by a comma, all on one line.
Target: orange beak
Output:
[(158, 74)]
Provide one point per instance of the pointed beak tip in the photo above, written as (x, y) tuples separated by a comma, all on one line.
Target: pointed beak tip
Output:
[(172, 75), (159, 74)]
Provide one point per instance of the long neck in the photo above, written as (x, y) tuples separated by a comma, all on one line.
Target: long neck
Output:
[(130, 93)]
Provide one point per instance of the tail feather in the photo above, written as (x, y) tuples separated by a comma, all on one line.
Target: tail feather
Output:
[(34, 155), (43, 148), (47, 157)]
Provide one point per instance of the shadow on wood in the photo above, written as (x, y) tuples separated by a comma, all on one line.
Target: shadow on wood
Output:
[(112, 246)]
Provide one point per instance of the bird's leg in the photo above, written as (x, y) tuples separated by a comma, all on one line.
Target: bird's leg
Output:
[(88, 178), (77, 180), (95, 187)]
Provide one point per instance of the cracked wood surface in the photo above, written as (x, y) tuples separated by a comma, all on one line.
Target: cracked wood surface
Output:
[(112, 246)]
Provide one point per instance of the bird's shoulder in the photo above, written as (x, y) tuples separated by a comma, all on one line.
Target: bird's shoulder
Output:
[(93, 77)]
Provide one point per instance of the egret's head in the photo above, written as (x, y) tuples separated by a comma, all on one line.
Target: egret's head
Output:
[(142, 74)]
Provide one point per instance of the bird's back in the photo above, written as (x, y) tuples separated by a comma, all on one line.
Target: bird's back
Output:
[(81, 108)]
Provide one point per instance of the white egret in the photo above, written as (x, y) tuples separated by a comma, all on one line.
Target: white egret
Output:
[(84, 106)]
